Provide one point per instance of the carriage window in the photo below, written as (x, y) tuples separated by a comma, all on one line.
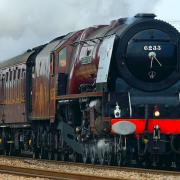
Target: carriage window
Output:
[(19, 73), (3, 77), (7, 75), (62, 60), (22, 73), (14, 77), (33, 70), (11, 75)]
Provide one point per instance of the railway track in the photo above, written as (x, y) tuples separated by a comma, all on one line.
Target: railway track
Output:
[(32, 172)]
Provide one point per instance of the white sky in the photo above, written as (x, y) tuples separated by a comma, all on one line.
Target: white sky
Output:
[(169, 10), (28, 23)]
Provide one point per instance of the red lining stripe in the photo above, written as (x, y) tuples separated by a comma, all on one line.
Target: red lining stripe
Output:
[(167, 126)]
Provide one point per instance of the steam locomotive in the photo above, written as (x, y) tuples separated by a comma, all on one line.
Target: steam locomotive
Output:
[(106, 94)]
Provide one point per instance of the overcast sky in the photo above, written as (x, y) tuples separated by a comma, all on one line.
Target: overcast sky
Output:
[(28, 23)]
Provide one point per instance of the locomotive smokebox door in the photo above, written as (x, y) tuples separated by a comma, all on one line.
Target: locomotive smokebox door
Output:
[(123, 128), (147, 54)]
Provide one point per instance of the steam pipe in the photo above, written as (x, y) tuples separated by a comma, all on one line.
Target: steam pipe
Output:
[(130, 105)]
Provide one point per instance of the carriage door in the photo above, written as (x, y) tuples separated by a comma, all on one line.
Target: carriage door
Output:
[(52, 81)]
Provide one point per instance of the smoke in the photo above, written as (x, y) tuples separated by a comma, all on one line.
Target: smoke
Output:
[(25, 24)]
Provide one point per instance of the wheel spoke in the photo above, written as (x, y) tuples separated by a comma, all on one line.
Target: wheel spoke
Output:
[(109, 158), (101, 156), (62, 156), (120, 153), (74, 157), (55, 156), (85, 154), (119, 158), (49, 155), (93, 155), (41, 154)]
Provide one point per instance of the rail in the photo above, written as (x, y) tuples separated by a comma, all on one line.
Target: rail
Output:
[(31, 172), (61, 175)]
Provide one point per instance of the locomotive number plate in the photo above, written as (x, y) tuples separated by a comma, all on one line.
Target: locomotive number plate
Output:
[(152, 48)]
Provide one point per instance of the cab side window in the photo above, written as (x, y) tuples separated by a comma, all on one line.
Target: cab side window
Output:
[(86, 54), (62, 60), (62, 76)]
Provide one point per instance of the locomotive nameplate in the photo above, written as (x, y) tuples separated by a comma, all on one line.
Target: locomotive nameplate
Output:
[(105, 53)]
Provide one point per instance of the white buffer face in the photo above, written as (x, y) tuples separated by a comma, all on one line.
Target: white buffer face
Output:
[(123, 128)]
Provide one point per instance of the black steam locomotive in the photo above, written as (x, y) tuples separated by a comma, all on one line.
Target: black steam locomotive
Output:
[(105, 94)]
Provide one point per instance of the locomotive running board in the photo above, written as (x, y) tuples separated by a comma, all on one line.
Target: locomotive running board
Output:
[(81, 95)]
